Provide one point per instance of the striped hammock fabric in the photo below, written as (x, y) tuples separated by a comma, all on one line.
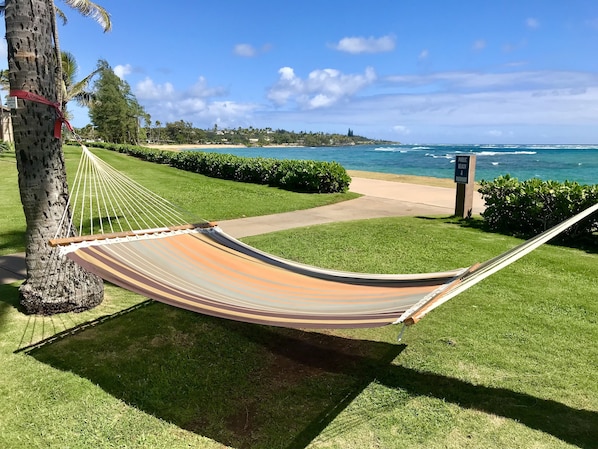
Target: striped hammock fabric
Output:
[(207, 271)]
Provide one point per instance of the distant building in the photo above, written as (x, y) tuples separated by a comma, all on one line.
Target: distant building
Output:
[(6, 134)]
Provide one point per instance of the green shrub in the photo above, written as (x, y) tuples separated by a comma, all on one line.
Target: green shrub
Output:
[(311, 176), (294, 175), (530, 207)]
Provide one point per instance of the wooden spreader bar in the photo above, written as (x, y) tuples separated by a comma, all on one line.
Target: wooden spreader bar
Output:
[(113, 235)]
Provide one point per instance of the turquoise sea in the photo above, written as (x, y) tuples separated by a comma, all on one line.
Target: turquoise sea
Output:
[(547, 162)]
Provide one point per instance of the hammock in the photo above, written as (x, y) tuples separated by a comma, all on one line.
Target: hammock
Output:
[(201, 268)]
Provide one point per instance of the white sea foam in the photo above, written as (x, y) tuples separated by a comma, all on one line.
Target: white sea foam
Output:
[(439, 156), (391, 149), (504, 153)]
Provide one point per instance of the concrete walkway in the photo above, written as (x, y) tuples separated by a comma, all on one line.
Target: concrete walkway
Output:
[(381, 199)]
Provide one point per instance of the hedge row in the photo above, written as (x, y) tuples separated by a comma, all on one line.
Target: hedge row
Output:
[(295, 175), (530, 207)]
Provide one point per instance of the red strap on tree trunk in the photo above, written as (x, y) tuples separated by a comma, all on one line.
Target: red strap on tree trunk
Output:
[(60, 119)]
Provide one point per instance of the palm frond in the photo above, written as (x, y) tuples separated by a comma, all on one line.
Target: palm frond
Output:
[(69, 66), (60, 13), (4, 83), (80, 90), (93, 10)]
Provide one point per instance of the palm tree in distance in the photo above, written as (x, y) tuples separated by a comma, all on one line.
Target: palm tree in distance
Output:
[(72, 90), (34, 65)]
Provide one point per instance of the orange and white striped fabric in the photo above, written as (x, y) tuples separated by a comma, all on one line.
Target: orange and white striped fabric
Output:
[(207, 271)]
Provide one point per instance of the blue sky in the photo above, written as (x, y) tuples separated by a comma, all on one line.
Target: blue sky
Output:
[(426, 71)]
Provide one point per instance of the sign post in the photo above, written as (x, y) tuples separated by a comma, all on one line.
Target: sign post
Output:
[(465, 179)]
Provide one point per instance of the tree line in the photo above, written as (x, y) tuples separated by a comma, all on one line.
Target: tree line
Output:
[(183, 132)]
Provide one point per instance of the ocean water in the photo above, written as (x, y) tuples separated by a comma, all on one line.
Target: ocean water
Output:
[(548, 162)]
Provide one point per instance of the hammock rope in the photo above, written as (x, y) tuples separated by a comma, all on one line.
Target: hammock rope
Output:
[(104, 200)]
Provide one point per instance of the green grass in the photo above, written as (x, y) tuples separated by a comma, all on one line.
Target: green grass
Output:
[(12, 219), (509, 363)]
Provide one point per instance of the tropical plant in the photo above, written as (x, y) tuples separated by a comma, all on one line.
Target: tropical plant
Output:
[(4, 79), (115, 112), (34, 66), (72, 90), (527, 208)]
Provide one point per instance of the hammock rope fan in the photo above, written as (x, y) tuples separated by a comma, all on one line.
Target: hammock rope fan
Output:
[(199, 267)]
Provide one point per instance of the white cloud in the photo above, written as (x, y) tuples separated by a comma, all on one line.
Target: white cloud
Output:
[(250, 51), (480, 44), (459, 82), (532, 23), (201, 89), (470, 107), (510, 107), (123, 70), (402, 130), (3, 50), (194, 104), (148, 90), (424, 54), (322, 88), (245, 50), (357, 45)]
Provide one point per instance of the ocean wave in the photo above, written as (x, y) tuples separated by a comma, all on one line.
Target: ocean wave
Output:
[(560, 147), (439, 156), (504, 153), (391, 149), (542, 146)]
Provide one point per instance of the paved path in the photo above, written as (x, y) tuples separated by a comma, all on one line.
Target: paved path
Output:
[(381, 199)]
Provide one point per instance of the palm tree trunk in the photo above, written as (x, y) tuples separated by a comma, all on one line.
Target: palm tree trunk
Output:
[(53, 284)]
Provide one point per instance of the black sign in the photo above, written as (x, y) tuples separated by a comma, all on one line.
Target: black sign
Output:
[(462, 169)]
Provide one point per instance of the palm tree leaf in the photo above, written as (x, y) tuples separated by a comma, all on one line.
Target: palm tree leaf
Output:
[(79, 91), (93, 10), (61, 14)]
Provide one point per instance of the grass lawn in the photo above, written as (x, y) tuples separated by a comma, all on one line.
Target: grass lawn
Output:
[(510, 363)]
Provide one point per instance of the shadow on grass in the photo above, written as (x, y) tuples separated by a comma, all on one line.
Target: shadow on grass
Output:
[(252, 386), (13, 239), (9, 299), (573, 426)]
